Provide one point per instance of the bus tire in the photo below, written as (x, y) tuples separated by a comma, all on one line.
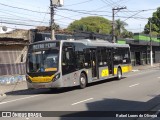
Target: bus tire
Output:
[(119, 74), (83, 81)]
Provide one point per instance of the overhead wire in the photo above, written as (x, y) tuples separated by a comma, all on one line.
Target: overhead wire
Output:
[(22, 24), (79, 3), (18, 17), (104, 15), (6, 18), (21, 8), (82, 12), (17, 14), (43, 18)]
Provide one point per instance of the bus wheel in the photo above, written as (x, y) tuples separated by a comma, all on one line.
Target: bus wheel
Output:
[(119, 74), (83, 81)]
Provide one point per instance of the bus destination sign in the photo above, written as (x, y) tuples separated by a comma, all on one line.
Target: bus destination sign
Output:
[(45, 45)]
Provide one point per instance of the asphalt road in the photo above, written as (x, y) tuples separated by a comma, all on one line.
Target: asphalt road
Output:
[(137, 91)]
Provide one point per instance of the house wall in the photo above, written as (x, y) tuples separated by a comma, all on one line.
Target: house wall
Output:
[(10, 60), (10, 53)]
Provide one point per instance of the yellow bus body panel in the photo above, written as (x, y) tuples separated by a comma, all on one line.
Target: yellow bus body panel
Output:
[(41, 79)]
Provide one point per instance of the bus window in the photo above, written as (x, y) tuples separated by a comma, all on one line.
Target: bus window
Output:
[(126, 56), (79, 55), (117, 56), (43, 61), (121, 56), (68, 58), (50, 61), (87, 58), (104, 54), (99, 56)]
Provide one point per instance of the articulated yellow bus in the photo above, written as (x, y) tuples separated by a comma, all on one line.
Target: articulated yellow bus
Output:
[(66, 63)]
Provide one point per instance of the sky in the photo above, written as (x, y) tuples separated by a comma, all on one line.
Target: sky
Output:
[(27, 14)]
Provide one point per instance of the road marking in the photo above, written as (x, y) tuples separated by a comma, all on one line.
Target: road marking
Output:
[(135, 70), (18, 99), (82, 101), (134, 85)]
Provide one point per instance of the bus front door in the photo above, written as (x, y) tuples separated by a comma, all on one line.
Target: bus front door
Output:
[(93, 61)]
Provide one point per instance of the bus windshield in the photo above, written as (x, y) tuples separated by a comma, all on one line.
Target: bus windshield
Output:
[(43, 61)]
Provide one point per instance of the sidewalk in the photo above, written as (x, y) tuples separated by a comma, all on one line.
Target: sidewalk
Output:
[(144, 67), (10, 83), (12, 87)]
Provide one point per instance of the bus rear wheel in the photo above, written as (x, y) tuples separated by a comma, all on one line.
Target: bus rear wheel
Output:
[(83, 80), (119, 74)]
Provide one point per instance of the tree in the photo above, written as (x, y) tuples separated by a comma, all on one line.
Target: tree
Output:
[(126, 34), (91, 24), (155, 23), (120, 27)]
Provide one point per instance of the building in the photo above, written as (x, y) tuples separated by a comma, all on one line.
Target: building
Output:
[(140, 48), (13, 49)]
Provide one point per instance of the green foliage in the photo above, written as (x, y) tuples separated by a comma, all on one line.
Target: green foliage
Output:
[(126, 34), (120, 27), (91, 24), (155, 23)]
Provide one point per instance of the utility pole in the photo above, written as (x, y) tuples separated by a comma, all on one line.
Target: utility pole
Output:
[(113, 22), (150, 34), (52, 24)]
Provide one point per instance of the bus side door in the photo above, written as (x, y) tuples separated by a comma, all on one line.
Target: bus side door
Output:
[(110, 61), (93, 62)]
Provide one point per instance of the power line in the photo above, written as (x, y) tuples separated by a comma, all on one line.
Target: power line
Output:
[(22, 3), (132, 11), (83, 14), (43, 18), (133, 15), (115, 3), (10, 14), (22, 20), (19, 14), (100, 15), (105, 11), (83, 10), (21, 8), (12, 23), (111, 3), (105, 2), (140, 10), (80, 3), (65, 17)]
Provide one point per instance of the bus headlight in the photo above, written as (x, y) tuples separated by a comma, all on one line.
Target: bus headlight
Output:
[(56, 77), (28, 79)]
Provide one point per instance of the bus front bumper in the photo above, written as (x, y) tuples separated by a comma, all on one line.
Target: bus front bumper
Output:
[(55, 84)]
